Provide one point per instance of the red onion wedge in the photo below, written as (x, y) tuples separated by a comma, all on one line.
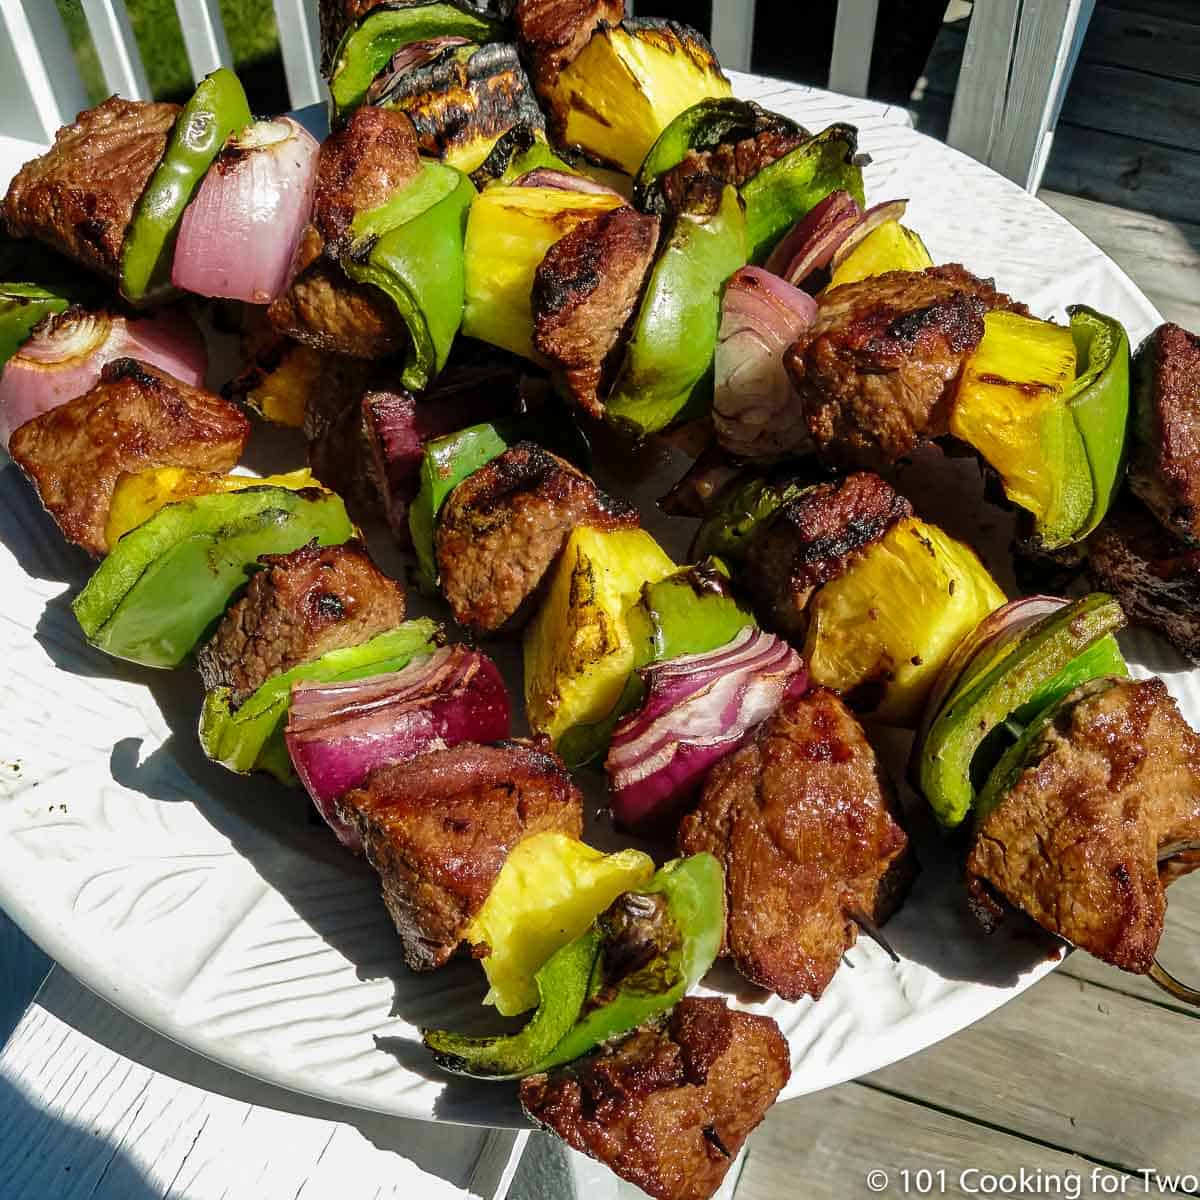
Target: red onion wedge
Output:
[(561, 181), (891, 210), (239, 235), (810, 245), (338, 733), (698, 708), (409, 58), (67, 351), (756, 412)]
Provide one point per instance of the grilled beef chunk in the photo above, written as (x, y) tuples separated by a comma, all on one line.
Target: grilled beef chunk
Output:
[(585, 294), (552, 32), (80, 195), (1075, 843), (805, 821), (877, 370), (135, 418), (439, 828), (813, 539), (299, 606), (1165, 466), (668, 1109), (1155, 576), (502, 528)]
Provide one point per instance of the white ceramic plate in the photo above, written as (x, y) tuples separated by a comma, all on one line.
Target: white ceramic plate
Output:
[(210, 908)]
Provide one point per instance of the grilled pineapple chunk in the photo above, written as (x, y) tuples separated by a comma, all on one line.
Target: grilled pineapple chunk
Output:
[(628, 84), (549, 891), (891, 247), (139, 496), (578, 649), (282, 394), (1012, 408), (884, 629), (509, 231)]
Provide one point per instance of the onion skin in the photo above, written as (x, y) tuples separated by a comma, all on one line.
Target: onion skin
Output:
[(698, 709), (337, 734), (810, 246), (756, 412), (547, 177), (67, 351), (239, 235)]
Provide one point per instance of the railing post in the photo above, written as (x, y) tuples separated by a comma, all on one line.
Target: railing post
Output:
[(299, 43), (853, 43), (116, 47), (733, 32), (40, 86), (204, 36)]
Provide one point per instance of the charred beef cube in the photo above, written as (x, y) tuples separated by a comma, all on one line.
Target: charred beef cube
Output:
[(299, 606), (813, 539), (1075, 842), (668, 1109), (877, 370), (1155, 576), (501, 529), (1165, 466), (552, 32), (439, 828), (585, 294), (79, 197), (135, 418), (806, 824)]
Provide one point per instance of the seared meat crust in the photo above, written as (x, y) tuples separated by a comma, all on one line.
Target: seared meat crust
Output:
[(299, 606), (136, 417), (1075, 842), (553, 32), (1165, 466), (806, 824), (668, 1109), (814, 539), (80, 195), (439, 828), (877, 370), (1155, 576), (586, 292), (502, 528)]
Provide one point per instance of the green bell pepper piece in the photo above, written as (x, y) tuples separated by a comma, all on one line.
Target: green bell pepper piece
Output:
[(22, 306), (165, 582), (217, 109), (250, 737), (521, 150), (992, 690), (587, 994), (789, 188), (690, 612), (368, 46), (739, 508), (411, 248), (667, 371), (1099, 402)]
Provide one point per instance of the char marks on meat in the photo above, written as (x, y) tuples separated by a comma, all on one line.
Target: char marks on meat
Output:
[(135, 418), (585, 294), (878, 369), (1111, 782), (813, 539), (1154, 576), (501, 529), (439, 828), (805, 822), (553, 32), (79, 197), (298, 607), (1165, 466), (668, 1109)]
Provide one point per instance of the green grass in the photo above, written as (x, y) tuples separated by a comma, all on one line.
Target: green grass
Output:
[(253, 38)]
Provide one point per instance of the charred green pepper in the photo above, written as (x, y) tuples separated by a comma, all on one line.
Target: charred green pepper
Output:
[(522, 149), (637, 961), (217, 109), (368, 47), (786, 190), (739, 508), (1010, 683), (250, 737), (667, 372), (690, 612), (411, 248), (165, 582)]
